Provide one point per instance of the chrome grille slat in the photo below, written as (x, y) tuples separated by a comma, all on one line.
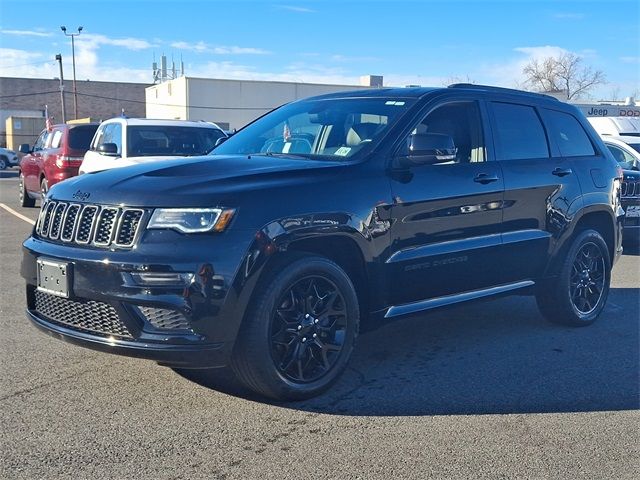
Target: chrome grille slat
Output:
[(105, 226), (89, 224), (630, 189), (69, 224), (56, 220)]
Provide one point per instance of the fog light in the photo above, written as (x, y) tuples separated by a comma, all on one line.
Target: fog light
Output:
[(163, 279)]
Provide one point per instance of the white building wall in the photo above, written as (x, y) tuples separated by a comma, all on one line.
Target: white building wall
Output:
[(167, 100), (230, 103)]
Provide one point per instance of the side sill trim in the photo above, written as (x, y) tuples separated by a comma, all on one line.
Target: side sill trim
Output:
[(437, 302)]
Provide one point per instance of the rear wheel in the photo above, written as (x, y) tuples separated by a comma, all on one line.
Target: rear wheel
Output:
[(23, 196), (44, 187), (299, 331), (578, 295)]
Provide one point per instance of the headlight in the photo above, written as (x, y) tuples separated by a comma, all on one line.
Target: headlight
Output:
[(191, 220)]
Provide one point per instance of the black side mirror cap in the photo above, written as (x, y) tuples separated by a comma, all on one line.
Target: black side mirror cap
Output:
[(108, 149), (428, 149), (24, 148)]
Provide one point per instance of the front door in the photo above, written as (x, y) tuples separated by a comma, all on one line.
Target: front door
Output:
[(31, 165), (446, 230)]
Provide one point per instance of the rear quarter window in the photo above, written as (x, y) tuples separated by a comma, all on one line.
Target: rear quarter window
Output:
[(80, 136), (566, 131)]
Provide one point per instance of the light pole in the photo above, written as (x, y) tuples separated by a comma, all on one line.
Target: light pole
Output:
[(73, 57), (64, 115)]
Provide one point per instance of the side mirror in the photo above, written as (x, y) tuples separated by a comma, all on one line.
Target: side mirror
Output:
[(428, 149), (24, 148), (108, 149), (220, 141)]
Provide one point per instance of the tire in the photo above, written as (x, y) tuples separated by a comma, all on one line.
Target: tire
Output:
[(23, 196), (44, 187), (577, 296), (299, 331), (3, 163)]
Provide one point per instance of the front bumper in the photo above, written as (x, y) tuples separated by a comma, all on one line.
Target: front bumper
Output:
[(189, 326)]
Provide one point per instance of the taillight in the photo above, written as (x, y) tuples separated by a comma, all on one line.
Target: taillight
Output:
[(66, 161)]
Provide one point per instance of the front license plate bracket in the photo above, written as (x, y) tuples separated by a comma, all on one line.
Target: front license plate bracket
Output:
[(54, 277)]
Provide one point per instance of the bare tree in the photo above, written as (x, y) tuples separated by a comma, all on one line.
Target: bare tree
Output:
[(564, 73)]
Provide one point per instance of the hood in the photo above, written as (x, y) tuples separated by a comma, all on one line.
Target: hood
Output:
[(192, 181)]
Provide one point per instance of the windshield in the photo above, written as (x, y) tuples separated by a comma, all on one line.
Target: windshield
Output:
[(151, 140), (331, 128)]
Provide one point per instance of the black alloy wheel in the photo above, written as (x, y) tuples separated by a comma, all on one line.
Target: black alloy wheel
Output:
[(299, 330), (587, 278), (308, 329), (578, 294)]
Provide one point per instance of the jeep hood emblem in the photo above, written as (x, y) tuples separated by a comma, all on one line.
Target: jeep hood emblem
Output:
[(80, 195)]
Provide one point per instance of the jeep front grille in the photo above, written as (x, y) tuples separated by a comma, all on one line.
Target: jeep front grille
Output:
[(93, 225), (630, 189)]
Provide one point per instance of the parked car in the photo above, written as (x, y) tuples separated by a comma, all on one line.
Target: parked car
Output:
[(55, 156), (626, 150), (120, 142), (616, 126), (325, 213), (8, 158)]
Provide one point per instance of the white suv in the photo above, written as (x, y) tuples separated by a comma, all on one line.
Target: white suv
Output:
[(121, 141)]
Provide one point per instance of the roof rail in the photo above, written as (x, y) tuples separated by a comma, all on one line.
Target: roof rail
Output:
[(491, 88)]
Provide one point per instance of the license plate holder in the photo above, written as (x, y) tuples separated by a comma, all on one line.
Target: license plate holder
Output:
[(53, 277), (633, 211)]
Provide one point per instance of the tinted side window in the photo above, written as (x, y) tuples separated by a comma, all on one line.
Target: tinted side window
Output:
[(39, 145), (568, 134), (518, 132)]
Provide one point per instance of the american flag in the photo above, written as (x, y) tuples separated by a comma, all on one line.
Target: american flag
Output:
[(286, 133)]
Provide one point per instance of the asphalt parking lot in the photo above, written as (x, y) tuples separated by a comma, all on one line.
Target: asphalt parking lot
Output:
[(488, 390)]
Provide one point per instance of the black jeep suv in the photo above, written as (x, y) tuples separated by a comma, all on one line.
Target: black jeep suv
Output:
[(267, 254)]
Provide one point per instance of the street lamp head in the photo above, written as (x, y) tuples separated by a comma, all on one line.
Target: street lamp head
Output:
[(79, 29), (63, 28)]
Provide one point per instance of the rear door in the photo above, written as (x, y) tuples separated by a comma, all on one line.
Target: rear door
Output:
[(542, 191)]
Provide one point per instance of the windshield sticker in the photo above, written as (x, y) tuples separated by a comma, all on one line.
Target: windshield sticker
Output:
[(393, 102), (286, 147), (343, 151)]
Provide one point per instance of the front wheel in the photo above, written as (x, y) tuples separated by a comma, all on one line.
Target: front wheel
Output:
[(44, 187), (3, 163), (23, 196), (577, 296), (299, 331)]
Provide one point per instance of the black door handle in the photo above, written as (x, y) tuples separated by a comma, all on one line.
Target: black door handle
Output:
[(561, 172), (485, 178)]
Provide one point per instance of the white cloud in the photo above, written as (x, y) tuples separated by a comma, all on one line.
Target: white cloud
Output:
[(92, 40), (202, 47), (630, 59), (26, 33)]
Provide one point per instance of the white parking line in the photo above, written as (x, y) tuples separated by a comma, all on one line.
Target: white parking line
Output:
[(19, 215)]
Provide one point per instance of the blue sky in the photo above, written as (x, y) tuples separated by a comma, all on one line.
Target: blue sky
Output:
[(408, 42)]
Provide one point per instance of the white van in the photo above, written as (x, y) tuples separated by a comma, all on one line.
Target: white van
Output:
[(617, 126), (121, 141)]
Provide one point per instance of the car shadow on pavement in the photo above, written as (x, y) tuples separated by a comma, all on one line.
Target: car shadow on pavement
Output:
[(492, 357), (9, 173)]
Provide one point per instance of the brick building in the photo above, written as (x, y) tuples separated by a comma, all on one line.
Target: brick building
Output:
[(99, 100)]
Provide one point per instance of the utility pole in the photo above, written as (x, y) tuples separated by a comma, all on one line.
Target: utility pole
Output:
[(64, 115), (73, 55)]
